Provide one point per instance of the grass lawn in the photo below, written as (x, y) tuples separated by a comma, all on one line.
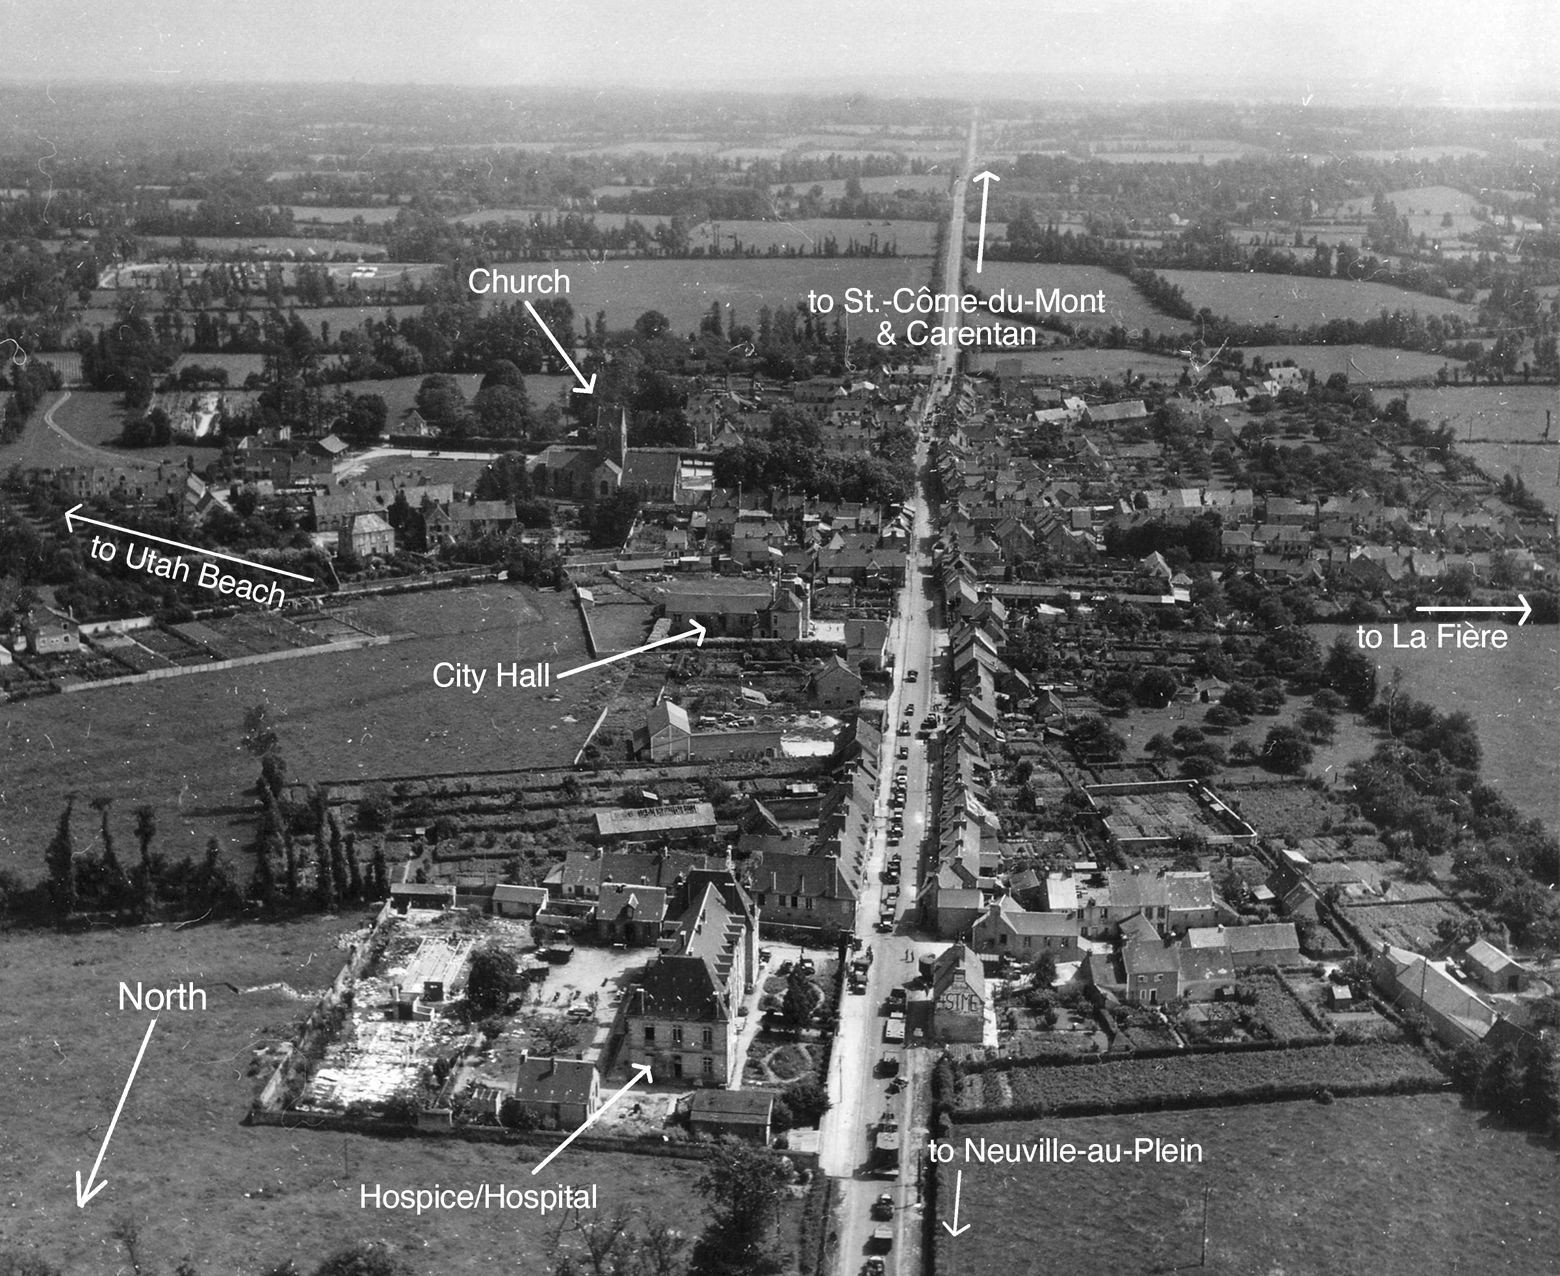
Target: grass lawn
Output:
[(1393, 1186), (361, 714), (180, 1163)]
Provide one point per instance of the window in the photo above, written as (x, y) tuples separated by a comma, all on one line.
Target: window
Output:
[(677, 1036), (709, 1066), (649, 1034), (677, 1065), (809, 906), (709, 1038)]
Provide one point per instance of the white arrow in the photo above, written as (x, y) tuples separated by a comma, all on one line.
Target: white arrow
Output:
[(985, 179), (953, 1228), (585, 386), (641, 1073), (72, 518), (696, 633), (85, 1194), (1526, 608)]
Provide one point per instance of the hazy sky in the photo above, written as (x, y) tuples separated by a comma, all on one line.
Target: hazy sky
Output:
[(1475, 51)]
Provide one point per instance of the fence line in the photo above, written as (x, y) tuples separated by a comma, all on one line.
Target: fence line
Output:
[(237, 662)]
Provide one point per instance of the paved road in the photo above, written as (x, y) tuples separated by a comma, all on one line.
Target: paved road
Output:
[(856, 1082), (89, 453)]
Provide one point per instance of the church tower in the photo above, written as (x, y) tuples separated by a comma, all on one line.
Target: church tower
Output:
[(612, 434)]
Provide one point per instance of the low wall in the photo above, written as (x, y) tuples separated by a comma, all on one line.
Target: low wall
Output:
[(260, 658), (643, 1145), (93, 628), (358, 958), (590, 634)]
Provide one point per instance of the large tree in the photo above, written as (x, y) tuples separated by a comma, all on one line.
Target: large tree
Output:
[(488, 981), (61, 861), (744, 1185)]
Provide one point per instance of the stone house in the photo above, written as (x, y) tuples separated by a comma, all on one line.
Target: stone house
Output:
[(365, 536), (680, 1018), (959, 997), (559, 1094)]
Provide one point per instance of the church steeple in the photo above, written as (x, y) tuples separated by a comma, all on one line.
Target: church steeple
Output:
[(612, 434)]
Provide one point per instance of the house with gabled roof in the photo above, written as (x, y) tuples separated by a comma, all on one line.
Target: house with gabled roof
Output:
[(557, 1094), (630, 913), (736, 1114), (366, 535), (798, 889), (959, 996), (1122, 413), (835, 685), (1456, 1013), (1009, 930), (1266, 944), (1496, 970), (1172, 901), (667, 735), (510, 900)]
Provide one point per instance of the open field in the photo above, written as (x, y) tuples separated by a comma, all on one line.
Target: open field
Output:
[(1123, 304), (1067, 364), (912, 239), (1392, 1186), (179, 1158), (1425, 201), (684, 290), (1363, 365), (1300, 301), (603, 221), (834, 188), (325, 213), (361, 714), (1509, 694), (1488, 411), (238, 366)]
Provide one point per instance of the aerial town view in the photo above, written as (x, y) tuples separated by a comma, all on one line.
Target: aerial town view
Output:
[(664, 639)]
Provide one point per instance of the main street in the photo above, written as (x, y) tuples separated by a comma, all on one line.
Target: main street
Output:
[(858, 1083)]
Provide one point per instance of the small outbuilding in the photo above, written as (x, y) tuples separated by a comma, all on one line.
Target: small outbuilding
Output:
[(1494, 969), (742, 1114)]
